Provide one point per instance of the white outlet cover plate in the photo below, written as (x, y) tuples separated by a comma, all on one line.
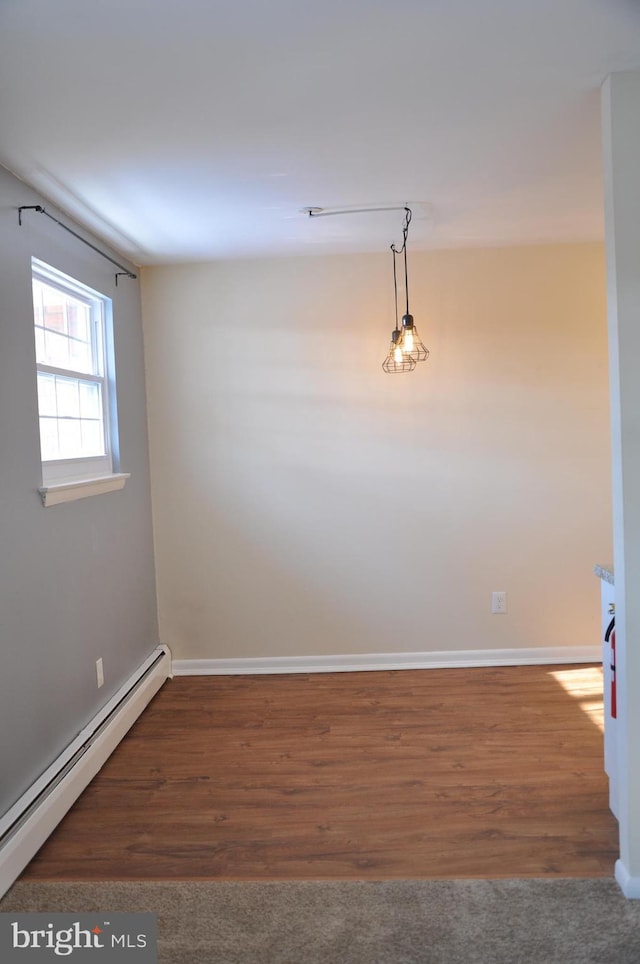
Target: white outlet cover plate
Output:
[(499, 602)]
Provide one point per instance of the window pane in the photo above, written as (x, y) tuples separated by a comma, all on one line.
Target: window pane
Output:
[(79, 320), (80, 357), (56, 349), (49, 439), (37, 302), (67, 397), (92, 438), (47, 394), (71, 422), (90, 400), (64, 331), (53, 301), (41, 353), (70, 439)]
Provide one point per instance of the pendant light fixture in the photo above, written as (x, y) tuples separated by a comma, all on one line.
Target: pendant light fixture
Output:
[(398, 360), (406, 348)]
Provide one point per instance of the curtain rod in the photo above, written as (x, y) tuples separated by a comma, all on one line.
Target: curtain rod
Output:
[(39, 208), (328, 212)]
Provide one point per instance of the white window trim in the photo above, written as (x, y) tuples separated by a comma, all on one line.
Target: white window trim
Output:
[(81, 489), (66, 480)]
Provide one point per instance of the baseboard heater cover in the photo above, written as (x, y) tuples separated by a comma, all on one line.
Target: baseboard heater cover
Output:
[(372, 662), (28, 823)]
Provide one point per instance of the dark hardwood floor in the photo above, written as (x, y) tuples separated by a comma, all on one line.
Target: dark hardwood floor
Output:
[(433, 773)]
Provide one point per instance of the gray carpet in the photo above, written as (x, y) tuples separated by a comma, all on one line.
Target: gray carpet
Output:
[(392, 922)]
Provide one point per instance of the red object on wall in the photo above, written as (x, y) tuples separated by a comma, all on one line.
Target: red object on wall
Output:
[(610, 637), (614, 701)]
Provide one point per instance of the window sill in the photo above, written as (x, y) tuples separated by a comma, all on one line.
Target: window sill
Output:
[(82, 488)]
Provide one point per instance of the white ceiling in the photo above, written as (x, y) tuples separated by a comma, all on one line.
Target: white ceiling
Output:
[(196, 129)]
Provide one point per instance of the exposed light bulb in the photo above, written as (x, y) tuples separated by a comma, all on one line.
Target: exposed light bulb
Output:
[(411, 340), (398, 360)]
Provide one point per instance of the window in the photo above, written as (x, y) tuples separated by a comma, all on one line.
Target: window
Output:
[(73, 382)]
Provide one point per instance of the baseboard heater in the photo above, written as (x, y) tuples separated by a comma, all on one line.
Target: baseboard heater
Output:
[(28, 823)]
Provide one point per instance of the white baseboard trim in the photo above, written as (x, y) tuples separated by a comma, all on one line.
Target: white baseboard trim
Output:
[(28, 823), (630, 886), (371, 662)]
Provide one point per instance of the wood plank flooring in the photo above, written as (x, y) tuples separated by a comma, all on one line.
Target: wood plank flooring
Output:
[(416, 774)]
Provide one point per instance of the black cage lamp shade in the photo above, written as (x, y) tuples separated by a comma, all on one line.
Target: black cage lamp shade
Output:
[(407, 348)]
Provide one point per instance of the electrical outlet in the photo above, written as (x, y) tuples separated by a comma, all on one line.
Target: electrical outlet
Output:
[(99, 672), (498, 602)]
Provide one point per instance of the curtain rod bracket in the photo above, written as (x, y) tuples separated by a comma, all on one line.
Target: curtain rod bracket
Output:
[(29, 207)]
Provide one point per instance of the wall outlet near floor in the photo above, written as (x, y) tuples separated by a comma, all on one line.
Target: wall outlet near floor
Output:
[(99, 672), (498, 602)]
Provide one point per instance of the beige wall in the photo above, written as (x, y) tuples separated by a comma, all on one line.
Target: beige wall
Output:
[(306, 503)]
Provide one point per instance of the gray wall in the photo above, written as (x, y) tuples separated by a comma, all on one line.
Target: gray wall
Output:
[(76, 580)]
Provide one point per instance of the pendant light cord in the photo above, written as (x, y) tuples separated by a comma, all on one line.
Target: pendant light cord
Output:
[(404, 246), (403, 250), (395, 284)]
